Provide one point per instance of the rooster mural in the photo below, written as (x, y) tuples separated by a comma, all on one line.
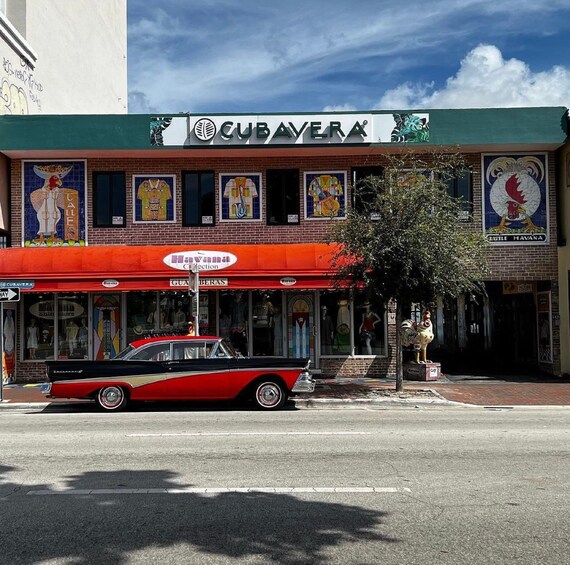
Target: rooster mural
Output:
[(516, 194)]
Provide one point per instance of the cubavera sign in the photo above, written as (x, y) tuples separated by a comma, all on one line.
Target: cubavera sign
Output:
[(290, 129)]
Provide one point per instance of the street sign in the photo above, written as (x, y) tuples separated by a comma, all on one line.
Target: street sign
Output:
[(9, 294)]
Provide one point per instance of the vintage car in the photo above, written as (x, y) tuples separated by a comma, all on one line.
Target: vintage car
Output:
[(179, 368)]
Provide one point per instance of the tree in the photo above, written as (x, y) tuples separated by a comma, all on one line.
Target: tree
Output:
[(404, 243)]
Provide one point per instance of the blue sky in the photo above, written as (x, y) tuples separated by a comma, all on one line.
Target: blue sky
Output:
[(233, 56)]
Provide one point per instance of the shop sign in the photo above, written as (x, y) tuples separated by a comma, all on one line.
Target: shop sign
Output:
[(200, 260), (518, 287), (290, 129), (288, 281), (17, 284), (203, 282), (110, 283), (45, 309)]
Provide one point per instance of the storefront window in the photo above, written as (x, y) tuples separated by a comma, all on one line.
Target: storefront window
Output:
[(370, 331), (335, 324), (234, 319), (207, 313), (360, 322), (142, 313), (72, 311), (267, 323), (39, 324)]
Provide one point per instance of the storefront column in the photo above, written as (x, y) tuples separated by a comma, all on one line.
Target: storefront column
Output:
[(461, 325)]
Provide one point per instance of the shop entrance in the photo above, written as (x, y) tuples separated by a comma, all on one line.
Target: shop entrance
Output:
[(301, 325), (514, 331)]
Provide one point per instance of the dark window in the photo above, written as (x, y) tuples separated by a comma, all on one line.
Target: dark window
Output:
[(459, 187), (282, 197), (198, 198), (4, 239), (109, 200), (362, 193)]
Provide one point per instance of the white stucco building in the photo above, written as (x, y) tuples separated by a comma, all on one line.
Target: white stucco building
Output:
[(63, 57)]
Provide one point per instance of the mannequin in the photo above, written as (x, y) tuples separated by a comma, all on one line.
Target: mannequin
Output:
[(71, 331), (277, 331), (366, 330), (82, 335), (342, 335), (263, 326), (327, 331), (32, 338), (178, 318), (239, 324)]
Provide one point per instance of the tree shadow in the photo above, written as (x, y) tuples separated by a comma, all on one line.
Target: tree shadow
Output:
[(110, 527)]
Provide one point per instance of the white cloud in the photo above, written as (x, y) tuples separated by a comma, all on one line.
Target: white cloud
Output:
[(340, 108), (485, 79), (139, 103)]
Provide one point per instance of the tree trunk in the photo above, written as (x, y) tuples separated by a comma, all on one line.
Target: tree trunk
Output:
[(399, 357)]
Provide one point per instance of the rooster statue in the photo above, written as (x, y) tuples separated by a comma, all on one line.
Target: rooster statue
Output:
[(420, 335), (515, 195)]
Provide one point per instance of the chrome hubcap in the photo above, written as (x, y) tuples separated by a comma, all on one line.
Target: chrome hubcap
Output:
[(111, 397), (269, 395)]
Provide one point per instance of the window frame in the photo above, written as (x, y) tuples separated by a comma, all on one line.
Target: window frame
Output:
[(377, 171), (270, 198), (201, 215), (111, 207), (466, 214)]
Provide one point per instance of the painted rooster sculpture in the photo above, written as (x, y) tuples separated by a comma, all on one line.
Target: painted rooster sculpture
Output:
[(420, 335)]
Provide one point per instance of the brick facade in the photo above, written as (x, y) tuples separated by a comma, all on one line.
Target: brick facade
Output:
[(536, 263)]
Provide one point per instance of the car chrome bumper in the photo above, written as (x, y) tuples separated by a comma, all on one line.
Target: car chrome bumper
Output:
[(304, 383)]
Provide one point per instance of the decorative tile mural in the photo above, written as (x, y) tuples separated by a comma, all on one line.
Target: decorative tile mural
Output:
[(53, 203)]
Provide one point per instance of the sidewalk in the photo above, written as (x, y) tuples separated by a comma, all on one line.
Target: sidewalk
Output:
[(481, 390)]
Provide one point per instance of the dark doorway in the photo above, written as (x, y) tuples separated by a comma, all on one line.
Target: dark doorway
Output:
[(514, 338)]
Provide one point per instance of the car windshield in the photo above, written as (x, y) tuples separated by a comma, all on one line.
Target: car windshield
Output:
[(125, 353), (228, 349)]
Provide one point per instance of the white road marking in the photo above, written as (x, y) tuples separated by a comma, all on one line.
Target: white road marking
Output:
[(218, 490), (212, 434)]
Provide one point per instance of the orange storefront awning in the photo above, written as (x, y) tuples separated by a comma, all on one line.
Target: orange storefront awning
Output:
[(123, 268)]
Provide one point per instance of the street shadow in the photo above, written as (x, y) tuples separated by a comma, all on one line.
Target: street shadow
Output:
[(112, 527), (81, 406)]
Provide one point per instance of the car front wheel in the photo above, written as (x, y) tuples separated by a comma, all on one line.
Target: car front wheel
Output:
[(111, 398), (270, 395)]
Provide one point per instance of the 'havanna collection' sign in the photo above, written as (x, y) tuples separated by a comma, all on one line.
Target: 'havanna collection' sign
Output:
[(289, 129)]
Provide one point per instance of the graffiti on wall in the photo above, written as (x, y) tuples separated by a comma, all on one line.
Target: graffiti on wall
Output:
[(20, 92)]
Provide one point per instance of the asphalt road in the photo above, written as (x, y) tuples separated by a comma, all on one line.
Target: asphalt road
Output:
[(392, 486)]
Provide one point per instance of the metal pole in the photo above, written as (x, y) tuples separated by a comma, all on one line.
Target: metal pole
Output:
[(194, 293), (197, 298), (2, 351)]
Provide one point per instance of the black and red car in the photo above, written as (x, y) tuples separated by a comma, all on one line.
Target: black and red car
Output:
[(179, 368)]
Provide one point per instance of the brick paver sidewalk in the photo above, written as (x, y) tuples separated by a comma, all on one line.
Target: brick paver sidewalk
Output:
[(492, 393)]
